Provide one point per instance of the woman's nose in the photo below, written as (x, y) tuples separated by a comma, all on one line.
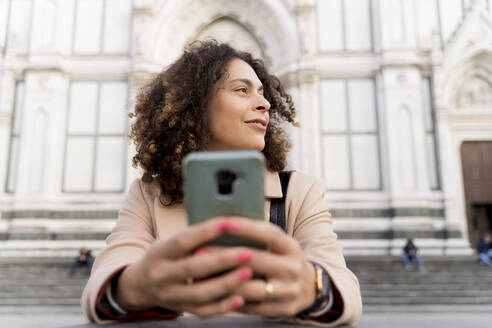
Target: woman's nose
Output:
[(263, 104)]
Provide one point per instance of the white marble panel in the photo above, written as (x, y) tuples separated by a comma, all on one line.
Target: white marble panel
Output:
[(44, 25), (39, 151), (405, 150), (117, 22), (427, 22), (110, 163), (13, 164), (365, 162), (427, 105), (4, 11), (88, 27), (336, 162), (78, 164), (19, 108), (358, 25), (362, 105), (334, 106), (451, 15), (83, 107), (19, 26), (113, 107), (330, 25)]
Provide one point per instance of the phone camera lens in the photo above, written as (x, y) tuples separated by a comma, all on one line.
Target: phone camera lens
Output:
[(225, 181)]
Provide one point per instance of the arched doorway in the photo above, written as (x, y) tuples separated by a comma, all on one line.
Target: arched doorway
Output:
[(476, 157)]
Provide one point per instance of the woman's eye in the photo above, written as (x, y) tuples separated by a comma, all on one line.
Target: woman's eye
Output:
[(242, 90)]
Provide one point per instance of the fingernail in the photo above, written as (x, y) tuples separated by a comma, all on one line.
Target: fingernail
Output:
[(222, 226), (232, 225), (237, 303), (243, 256), (245, 274), (228, 225), (202, 250)]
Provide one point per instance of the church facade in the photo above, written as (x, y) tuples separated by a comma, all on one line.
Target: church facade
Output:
[(394, 98)]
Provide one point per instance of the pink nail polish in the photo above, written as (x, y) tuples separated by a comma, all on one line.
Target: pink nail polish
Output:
[(237, 303), (232, 225), (243, 256), (222, 226), (202, 250), (245, 274)]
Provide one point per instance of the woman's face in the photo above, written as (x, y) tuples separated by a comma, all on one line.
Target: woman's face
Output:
[(237, 110)]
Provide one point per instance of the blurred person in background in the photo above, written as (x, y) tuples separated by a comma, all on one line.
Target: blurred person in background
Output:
[(411, 252), (216, 98), (484, 249), (83, 259)]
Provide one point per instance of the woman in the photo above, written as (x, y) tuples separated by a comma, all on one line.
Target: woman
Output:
[(216, 98)]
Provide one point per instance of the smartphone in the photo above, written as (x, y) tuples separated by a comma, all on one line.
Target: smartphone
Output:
[(225, 183)]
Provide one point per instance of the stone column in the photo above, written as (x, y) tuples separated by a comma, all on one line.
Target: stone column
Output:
[(43, 135), (7, 101), (310, 134), (404, 129), (449, 153), (294, 157), (405, 133), (307, 99), (136, 81)]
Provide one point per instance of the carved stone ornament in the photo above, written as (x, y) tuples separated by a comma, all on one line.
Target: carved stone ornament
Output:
[(228, 30), (476, 93), (256, 25)]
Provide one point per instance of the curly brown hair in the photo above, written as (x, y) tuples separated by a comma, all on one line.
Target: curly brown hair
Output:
[(171, 118)]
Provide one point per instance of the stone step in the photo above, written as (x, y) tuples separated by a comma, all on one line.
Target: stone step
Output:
[(42, 294), (426, 293), (457, 280), (29, 301), (446, 282), (380, 300), (43, 282), (423, 286), (464, 267), (439, 267)]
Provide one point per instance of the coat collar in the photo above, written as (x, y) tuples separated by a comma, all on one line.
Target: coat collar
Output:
[(273, 188)]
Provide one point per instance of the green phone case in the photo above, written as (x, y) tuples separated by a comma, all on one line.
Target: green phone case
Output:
[(208, 194)]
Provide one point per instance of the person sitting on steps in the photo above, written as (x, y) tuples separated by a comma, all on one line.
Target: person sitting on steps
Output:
[(410, 252), (84, 258), (484, 252)]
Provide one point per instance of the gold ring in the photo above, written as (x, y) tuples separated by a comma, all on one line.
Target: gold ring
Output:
[(269, 292)]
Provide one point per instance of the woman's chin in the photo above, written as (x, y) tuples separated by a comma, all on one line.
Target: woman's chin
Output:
[(257, 146)]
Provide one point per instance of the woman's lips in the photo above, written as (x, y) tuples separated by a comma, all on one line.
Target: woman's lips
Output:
[(256, 125)]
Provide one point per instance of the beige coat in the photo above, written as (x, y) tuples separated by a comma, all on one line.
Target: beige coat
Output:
[(143, 219)]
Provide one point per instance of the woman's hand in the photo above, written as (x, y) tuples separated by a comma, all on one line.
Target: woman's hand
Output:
[(284, 267), (161, 277)]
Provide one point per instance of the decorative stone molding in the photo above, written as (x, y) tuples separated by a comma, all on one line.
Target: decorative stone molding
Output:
[(475, 93), (229, 30), (5, 119), (471, 44), (144, 4), (269, 27)]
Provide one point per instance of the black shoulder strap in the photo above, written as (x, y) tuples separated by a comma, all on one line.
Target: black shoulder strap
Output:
[(277, 205)]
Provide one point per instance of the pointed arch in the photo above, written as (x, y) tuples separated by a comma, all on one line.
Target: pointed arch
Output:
[(470, 85), (270, 23), (230, 30), (476, 89)]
